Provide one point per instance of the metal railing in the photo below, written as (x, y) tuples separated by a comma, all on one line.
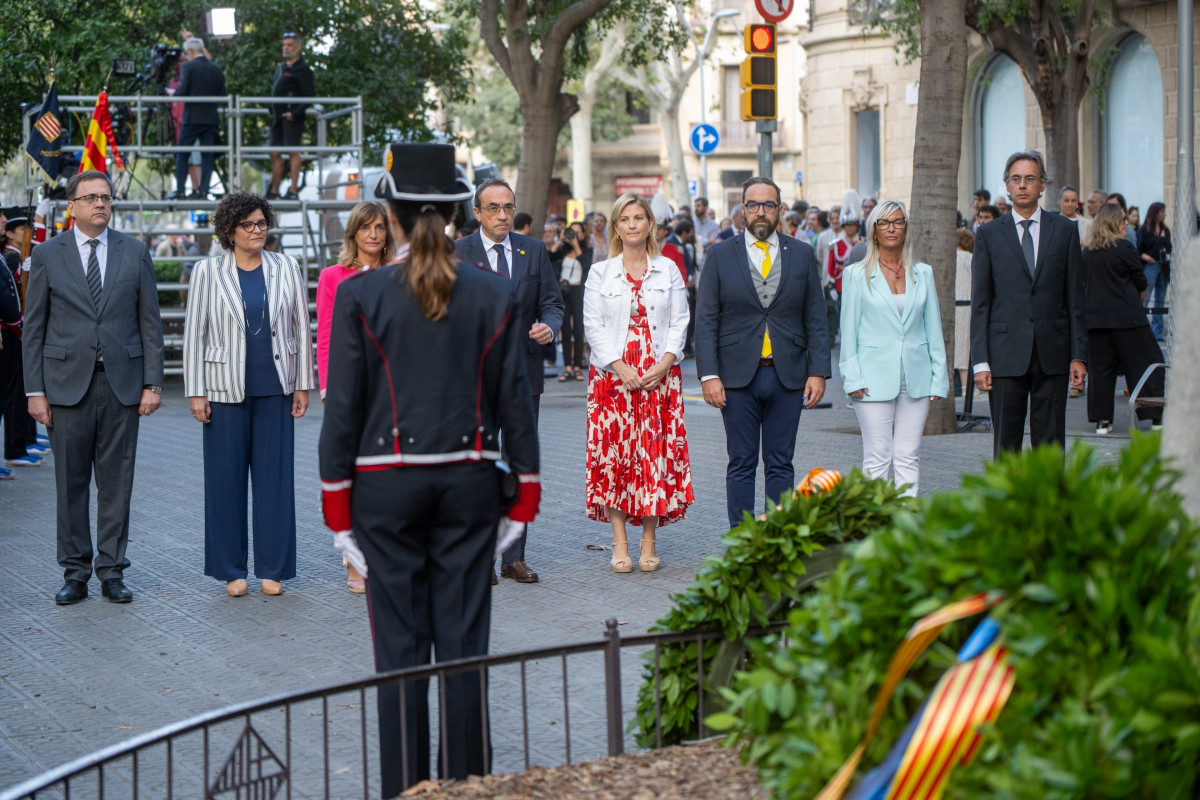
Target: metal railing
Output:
[(146, 109), (264, 746)]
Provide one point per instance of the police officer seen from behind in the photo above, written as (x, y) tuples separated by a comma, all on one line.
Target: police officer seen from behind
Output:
[(426, 372), (293, 78)]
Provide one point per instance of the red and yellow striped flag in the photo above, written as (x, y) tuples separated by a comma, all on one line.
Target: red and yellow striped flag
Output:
[(996, 686), (99, 139)]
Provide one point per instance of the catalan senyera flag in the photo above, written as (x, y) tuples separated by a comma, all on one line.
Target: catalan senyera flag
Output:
[(944, 733), (44, 147), (100, 139)]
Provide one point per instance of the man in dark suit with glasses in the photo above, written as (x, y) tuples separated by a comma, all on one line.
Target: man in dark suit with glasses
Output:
[(1028, 333)]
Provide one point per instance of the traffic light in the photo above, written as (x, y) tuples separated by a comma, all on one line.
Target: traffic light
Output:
[(758, 73)]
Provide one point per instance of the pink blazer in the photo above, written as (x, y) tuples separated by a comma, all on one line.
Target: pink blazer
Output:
[(327, 285)]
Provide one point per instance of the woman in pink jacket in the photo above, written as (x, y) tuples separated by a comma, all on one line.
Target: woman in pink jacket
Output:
[(368, 244)]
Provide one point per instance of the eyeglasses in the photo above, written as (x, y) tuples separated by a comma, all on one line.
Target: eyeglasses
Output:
[(93, 199), (891, 224), (494, 209), (761, 208), (1027, 180), (251, 227)]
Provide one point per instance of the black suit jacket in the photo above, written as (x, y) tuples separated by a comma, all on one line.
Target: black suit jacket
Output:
[(730, 319), (407, 391), (1015, 315), (539, 298), (200, 78), (1115, 278)]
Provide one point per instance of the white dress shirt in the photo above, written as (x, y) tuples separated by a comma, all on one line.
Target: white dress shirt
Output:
[(490, 248), (85, 250), (1035, 231)]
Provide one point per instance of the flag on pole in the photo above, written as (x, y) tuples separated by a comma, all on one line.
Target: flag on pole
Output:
[(45, 138), (99, 139)]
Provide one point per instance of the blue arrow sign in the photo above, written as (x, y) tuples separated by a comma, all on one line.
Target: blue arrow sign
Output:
[(704, 139)]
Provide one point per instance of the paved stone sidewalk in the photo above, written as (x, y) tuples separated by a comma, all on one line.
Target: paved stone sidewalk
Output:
[(75, 679)]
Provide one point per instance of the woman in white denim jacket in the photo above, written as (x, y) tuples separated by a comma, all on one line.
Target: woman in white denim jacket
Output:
[(635, 316)]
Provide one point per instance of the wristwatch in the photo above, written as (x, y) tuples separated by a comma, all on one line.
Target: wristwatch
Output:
[(153, 387)]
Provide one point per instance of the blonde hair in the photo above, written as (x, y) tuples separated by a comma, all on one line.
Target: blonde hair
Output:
[(885, 209), (1107, 228), (360, 216), (615, 245)]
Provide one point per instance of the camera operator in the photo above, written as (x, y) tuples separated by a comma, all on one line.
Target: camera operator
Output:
[(198, 77)]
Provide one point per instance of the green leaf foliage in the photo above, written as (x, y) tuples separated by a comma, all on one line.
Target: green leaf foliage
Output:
[(1098, 564), (767, 566), (388, 51)]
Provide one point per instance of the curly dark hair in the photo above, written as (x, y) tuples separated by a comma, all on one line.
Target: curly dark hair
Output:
[(233, 209)]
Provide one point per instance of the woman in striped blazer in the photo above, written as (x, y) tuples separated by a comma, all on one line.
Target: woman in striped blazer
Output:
[(248, 368)]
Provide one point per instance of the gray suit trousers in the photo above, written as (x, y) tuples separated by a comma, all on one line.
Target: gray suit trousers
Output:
[(98, 429)]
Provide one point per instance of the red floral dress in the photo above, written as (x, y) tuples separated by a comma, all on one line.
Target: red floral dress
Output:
[(637, 456)]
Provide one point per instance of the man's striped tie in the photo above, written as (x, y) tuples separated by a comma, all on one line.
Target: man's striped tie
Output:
[(93, 273)]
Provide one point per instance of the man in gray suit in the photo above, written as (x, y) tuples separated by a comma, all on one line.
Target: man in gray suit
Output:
[(94, 363)]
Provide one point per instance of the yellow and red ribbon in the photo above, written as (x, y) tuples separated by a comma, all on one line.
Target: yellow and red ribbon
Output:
[(969, 694)]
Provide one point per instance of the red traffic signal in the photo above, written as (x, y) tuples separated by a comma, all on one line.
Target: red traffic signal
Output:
[(759, 38)]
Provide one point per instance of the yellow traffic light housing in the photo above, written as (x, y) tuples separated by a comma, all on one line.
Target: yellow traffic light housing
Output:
[(758, 73)]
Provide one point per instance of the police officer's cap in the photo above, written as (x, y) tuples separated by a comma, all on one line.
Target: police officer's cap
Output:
[(422, 172)]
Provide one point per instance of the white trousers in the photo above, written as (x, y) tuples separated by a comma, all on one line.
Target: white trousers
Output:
[(891, 433)]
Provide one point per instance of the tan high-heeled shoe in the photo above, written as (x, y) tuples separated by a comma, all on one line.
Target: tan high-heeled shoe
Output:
[(271, 587), (621, 565), (647, 563), (235, 588)]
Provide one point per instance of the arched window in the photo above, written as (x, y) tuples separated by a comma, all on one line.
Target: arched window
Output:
[(1132, 159), (999, 122)]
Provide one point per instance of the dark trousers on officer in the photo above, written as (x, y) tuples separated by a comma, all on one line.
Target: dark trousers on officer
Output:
[(254, 438), (96, 435), (428, 535), (206, 135), (20, 430), (1042, 395), (767, 411)]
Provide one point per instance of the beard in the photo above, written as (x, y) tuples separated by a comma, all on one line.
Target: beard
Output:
[(762, 229)]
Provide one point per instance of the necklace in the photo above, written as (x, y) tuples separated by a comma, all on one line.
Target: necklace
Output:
[(896, 271), (262, 317)]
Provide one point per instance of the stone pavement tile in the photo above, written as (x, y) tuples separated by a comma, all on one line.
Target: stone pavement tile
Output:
[(75, 679)]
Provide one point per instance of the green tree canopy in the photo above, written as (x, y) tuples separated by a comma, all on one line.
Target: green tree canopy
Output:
[(389, 51)]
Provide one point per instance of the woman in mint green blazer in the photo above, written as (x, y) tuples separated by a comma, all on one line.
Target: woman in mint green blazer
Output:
[(893, 359)]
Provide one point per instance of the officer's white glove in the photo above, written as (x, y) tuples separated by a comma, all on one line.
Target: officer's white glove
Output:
[(344, 541)]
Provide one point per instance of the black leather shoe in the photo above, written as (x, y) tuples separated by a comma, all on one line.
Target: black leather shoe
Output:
[(197, 195), (71, 593), (175, 196), (115, 591)]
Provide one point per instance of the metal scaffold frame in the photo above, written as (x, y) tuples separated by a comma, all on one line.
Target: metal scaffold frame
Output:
[(143, 109)]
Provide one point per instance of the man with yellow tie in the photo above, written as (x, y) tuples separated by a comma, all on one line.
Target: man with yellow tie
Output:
[(762, 345)]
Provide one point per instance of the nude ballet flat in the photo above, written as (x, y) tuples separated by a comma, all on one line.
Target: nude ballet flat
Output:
[(272, 587), (235, 588)]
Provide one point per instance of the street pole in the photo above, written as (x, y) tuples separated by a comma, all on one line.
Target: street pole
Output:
[(704, 120), (766, 155), (1185, 165)]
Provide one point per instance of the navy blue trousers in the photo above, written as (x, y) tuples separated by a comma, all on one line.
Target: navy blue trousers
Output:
[(763, 410), (252, 439)]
